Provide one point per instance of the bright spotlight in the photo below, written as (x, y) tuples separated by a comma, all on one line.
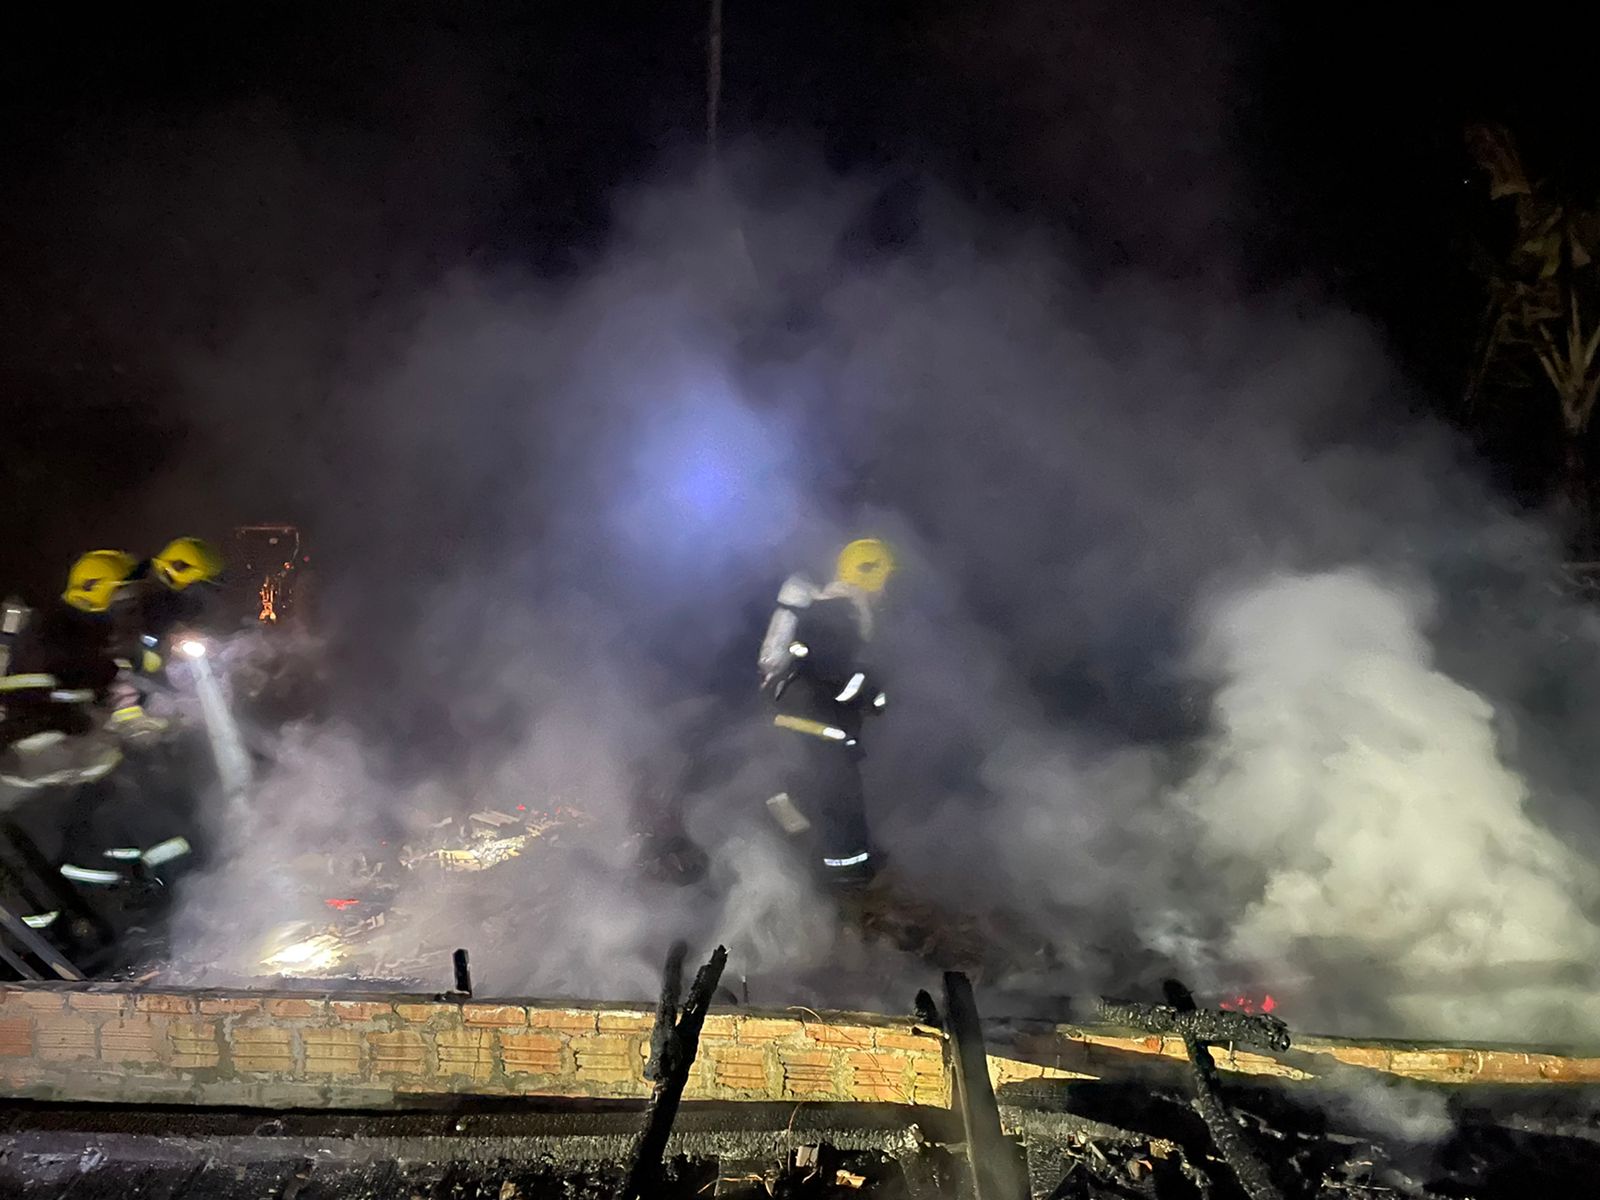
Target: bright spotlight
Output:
[(192, 647)]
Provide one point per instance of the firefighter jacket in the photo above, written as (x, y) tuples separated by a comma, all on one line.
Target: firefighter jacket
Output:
[(145, 614), (62, 663), (813, 661)]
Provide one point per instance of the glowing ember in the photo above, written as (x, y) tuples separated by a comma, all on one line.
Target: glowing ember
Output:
[(269, 600), (341, 905), (1249, 1004), (319, 953)]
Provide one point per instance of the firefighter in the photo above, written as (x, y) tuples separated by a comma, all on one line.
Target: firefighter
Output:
[(84, 655), (183, 577), (62, 668), (163, 595), (167, 593), (125, 834), (813, 671)]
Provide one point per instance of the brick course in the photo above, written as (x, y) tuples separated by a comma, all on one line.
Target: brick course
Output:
[(494, 1014), (258, 1048), (194, 1045), (332, 1051), (60, 1037), (465, 1052), (533, 1054), (128, 1041), (402, 1052)]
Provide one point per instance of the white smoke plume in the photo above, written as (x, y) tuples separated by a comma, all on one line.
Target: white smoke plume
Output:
[(1354, 805), (1358, 1101)]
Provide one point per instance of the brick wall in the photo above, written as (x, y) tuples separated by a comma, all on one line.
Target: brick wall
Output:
[(96, 1042), (101, 1042)]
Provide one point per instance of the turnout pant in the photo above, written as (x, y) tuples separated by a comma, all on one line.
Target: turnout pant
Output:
[(823, 780)]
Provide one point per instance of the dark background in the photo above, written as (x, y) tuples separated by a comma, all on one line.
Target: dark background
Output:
[(1232, 147)]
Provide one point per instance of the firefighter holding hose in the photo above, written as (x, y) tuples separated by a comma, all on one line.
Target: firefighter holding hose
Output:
[(162, 596), (85, 654), (171, 590), (813, 670)]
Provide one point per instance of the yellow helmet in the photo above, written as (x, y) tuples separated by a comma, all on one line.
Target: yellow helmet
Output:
[(865, 563), (187, 561), (94, 579)]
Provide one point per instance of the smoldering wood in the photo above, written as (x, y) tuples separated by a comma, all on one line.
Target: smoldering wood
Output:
[(1216, 1026), (677, 1049), (1240, 1157)]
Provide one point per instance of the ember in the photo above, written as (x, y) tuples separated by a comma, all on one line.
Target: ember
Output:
[(269, 600), (343, 904), (1249, 1004), (320, 952)]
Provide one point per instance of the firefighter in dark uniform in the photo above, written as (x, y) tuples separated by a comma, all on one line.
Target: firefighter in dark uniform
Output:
[(141, 822), (74, 699), (59, 675), (83, 657), (171, 590), (813, 669)]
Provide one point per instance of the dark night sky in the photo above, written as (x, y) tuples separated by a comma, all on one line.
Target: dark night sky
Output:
[(1214, 143)]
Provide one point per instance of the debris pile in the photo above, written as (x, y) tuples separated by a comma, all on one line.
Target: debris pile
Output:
[(489, 838)]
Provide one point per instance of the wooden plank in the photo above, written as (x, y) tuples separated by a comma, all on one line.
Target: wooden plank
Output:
[(37, 946), (1098, 1052)]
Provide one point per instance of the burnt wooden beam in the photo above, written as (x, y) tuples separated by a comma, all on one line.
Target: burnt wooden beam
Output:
[(1240, 1157), (997, 1173), (1203, 1024), (17, 963), (661, 1041), (38, 947), (41, 886), (674, 1044)]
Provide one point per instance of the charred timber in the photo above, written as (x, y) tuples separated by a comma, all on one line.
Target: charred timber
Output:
[(1203, 1024), (1240, 1157), (996, 1173), (661, 1033), (673, 1047)]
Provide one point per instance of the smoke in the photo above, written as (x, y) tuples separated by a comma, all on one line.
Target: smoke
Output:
[(1418, 1115), (1167, 647), (1354, 803), (1204, 657)]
